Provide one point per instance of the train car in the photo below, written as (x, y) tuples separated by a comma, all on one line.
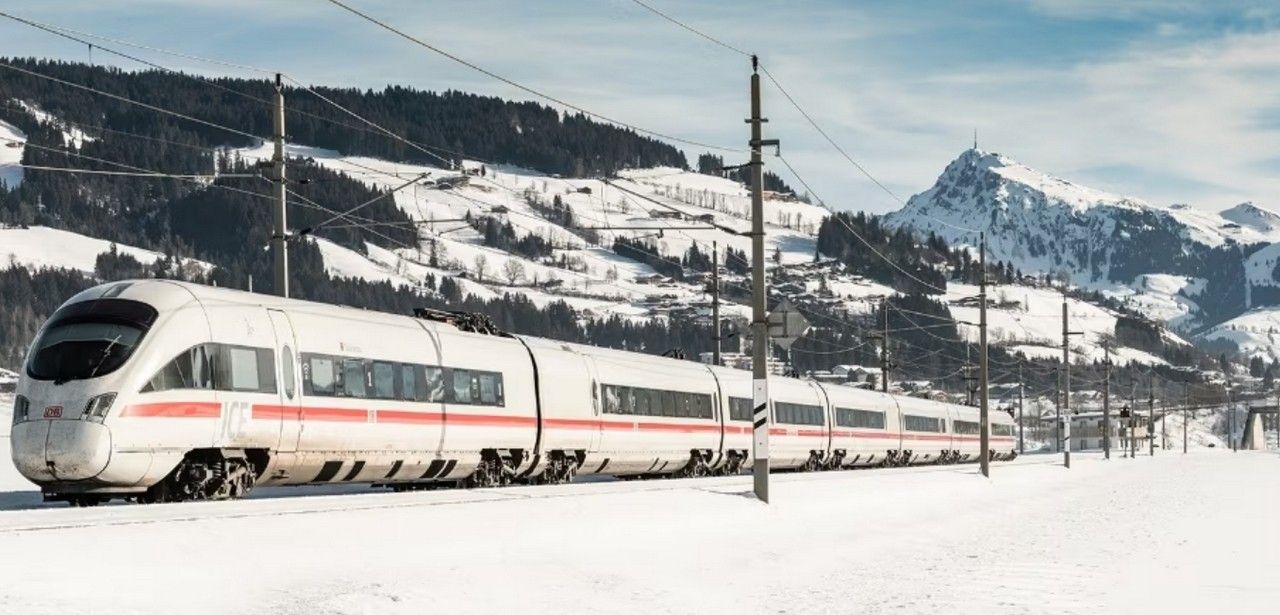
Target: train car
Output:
[(926, 437), (799, 436), (865, 427), (658, 416), (162, 391), (965, 434), (1003, 436)]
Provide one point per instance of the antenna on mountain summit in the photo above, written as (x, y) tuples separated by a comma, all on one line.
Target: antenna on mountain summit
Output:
[(975, 138)]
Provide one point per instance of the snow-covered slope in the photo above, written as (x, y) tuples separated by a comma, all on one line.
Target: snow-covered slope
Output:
[(40, 246), (1049, 225), (659, 205), (1254, 333), (12, 142)]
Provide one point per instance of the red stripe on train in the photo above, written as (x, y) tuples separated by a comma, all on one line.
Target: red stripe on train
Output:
[(182, 409)]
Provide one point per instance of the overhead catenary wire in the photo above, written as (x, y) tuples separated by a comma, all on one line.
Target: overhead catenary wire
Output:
[(388, 133), (524, 88), (158, 175), (129, 101)]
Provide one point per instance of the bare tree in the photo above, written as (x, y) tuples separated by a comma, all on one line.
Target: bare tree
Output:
[(481, 267), (513, 271)]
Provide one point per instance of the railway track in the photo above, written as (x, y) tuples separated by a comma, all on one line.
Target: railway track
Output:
[(22, 511)]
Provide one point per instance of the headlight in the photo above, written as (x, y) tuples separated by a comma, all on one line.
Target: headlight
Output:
[(97, 408), (20, 406)]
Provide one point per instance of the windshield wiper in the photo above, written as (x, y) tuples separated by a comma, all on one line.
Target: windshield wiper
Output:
[(106, 352)]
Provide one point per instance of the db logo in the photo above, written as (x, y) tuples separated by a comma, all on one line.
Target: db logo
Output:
[(53, 412)]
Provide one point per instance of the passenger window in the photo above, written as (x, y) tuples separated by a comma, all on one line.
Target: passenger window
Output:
[(353, 378), (488, 389), (640, 397), (188, 370), (244, 369), (409, 383), (384, 380), (286, 367), (322, 381), (461, 386), (435, 384)]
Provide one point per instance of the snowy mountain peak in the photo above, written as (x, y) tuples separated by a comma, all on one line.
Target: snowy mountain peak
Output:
[(1249, 215), (1043, 223)]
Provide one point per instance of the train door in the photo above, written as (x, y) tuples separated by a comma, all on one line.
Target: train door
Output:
[(597, 403), (290, 389)]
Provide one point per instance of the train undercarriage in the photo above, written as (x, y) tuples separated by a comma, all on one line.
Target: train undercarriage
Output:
[(225, 474)]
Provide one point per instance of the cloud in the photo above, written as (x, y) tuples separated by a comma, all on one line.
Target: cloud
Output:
[(1159, 107)]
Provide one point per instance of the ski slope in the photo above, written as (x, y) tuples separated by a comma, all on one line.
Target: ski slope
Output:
[(1125, 536)]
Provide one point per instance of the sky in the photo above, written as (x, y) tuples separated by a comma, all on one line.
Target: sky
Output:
[(1169, 101)]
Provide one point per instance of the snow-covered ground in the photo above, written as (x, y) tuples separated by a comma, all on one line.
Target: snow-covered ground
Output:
[(41, 246), (1127, 536), (640, 202), (12, 142), (1028, 320), (1255, 333)]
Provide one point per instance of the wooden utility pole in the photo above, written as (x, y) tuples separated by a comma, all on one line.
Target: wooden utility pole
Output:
[(1106, 401), (279, 226), (984, 418), (715, 302), (1186, 403), (759, 323)]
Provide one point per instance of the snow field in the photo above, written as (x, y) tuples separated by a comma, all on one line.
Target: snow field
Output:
[(40, 246), (12, 142), (1125, 536)]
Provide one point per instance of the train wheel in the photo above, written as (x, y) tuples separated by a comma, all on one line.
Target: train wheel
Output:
[(204, 475), (85, 501)]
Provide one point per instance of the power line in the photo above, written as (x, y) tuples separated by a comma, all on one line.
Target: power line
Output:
[(36, 167), (691, 28), (364, 204), (370, 123), (862, 239), (57, 31), (520, 86), (129, 100)]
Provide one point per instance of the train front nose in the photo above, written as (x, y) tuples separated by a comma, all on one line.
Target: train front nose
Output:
[(49, 447)]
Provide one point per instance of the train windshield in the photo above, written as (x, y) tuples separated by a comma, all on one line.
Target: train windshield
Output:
[(89, 339)]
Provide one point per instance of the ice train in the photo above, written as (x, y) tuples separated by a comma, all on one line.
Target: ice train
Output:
[(158, 390)]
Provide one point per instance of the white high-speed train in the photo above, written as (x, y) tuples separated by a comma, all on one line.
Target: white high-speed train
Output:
[(162, 391)]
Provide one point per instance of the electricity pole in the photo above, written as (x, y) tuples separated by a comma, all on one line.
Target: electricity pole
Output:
[(759, 324), (1133, 420), (1066, 383), (715, 301), (1151, 417), (1186, 403), (984, 426), (1231, 417), (1106, 401), (884, 345), (279, 228), (1021, 423)]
